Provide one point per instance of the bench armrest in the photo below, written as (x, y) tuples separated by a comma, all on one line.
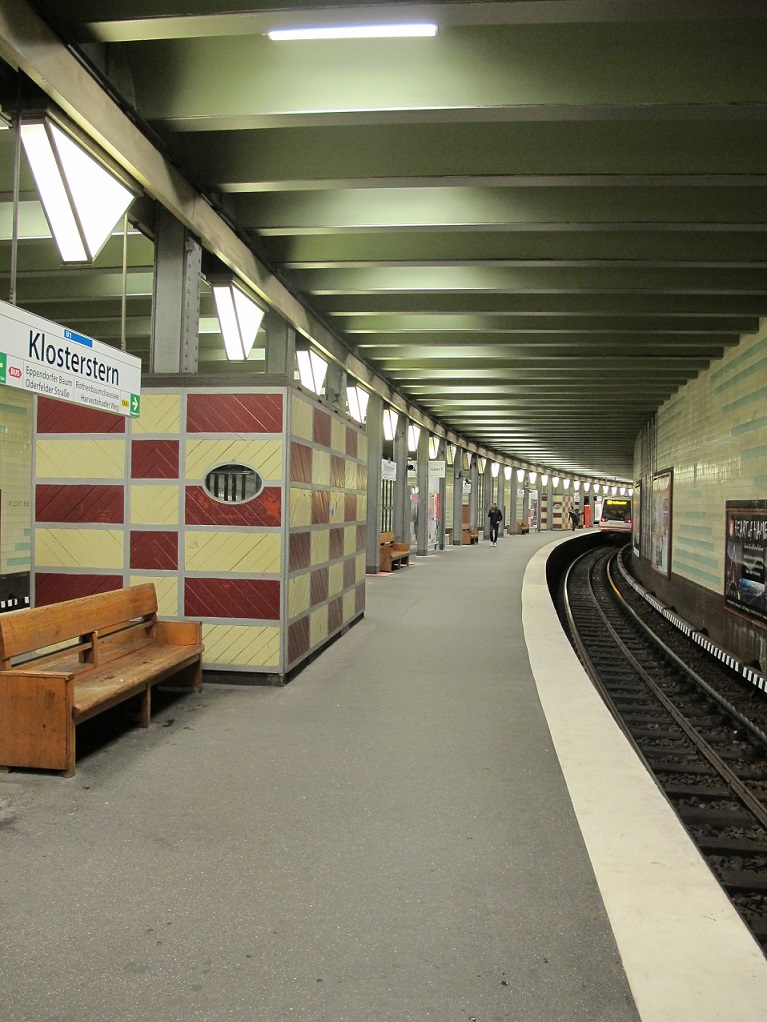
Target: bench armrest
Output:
[(179, 633)]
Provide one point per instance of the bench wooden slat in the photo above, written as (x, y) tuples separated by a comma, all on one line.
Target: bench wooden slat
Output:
[(23, 631), (132, 676)]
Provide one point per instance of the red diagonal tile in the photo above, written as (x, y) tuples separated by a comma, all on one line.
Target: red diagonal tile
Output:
[(234, 413), (89, 504)]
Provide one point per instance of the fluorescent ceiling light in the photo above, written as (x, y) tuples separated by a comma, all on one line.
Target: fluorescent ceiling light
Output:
[(402, 31), (389, 423), (433, 447), (239, 318), (520, 475), (357, 400), (413, 436), (82, 200), (507, 470), (495, 468), (312, 369)]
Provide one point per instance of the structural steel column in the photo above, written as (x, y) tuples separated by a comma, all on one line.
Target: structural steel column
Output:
[(176, 301), (473, 494), (280, 345), (422, 520), (458, 497), (335, 386), (401, 521), (375, 455), (501, 505), (442, 456), (513, 502)]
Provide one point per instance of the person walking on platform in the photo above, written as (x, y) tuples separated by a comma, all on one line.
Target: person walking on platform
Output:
[(575, 517), (495, 515)]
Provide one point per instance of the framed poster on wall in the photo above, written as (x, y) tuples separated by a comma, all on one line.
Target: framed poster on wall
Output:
[(745, 551), (660, 525)]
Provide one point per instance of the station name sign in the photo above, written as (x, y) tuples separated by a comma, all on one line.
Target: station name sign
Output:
[(44, 358)]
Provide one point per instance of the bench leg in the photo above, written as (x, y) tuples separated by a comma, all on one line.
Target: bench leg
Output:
[(143, 715)]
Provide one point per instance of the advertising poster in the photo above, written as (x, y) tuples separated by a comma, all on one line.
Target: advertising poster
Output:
[(744, 557), (635, 517), (660, 540)]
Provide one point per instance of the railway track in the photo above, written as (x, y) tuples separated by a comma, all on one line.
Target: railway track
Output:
[(700, 729)]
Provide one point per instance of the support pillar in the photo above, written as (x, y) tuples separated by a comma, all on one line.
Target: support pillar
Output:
[(375, 456), (176, 300), (487, 491), (422, 520), (473, 495), (335, 386), (458, 498), (401, 489), (280, 346)]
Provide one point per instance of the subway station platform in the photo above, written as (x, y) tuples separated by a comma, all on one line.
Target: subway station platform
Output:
[(436, 819)]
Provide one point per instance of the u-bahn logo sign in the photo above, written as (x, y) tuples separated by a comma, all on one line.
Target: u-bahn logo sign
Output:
[(44, 358)]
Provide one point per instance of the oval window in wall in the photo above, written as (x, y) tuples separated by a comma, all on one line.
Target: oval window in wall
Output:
[(233, 483)]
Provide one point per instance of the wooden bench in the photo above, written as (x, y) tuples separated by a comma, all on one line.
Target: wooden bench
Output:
[(109, 648), (474, 536), (392, 554), (522, 528)]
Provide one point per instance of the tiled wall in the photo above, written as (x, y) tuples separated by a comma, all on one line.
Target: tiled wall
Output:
[(15, 492), (328, 513), (119, 502), (713, 433)]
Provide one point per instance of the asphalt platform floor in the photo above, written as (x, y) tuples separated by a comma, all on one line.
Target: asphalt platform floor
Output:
[(388, 837)]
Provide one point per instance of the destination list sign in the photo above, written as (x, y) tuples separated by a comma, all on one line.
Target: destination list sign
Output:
[(44, 358)]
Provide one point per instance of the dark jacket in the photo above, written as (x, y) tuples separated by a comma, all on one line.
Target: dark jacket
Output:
[(495, 515)]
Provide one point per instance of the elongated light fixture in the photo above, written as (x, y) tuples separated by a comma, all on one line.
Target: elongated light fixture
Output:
[(404, 30), (532, 476), (555, 481), (507, 470), (413, 435), (312, 369), (544, 480), (467, 456), (389, 423), (238, 316), (495, 468), (357, 399), (520, 475), (450, 454), (433, 447), (82, 200), (567, 484)]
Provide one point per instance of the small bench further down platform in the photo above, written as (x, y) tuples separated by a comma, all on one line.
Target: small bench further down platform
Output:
[(392, 554), (109, 648)]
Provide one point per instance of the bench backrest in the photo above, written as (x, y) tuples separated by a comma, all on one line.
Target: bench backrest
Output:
[(385, 537), (26, 631)]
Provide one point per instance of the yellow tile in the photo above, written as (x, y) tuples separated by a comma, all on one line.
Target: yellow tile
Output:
[(362, 447), (248, 553), (362, 507), (350, 540), (79, 548), (321, 468), (318, 627), (351, 475), (360, 563), (265, 456), (241, 645), (299, 595), (348, 605), (335, 578), (160, 413), (338, 435), (86, 458), (302, 419), (320, 546), (300, 507), (154, 505), (166, 587), (337, 506)]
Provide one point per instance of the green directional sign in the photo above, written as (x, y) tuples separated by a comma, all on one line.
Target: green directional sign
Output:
[(2, 367), (135, 405)]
